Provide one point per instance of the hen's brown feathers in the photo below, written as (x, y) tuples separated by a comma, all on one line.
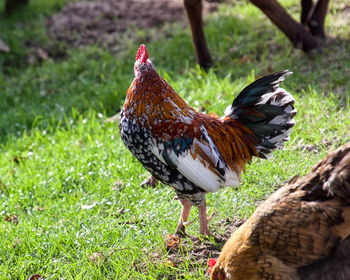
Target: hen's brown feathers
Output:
[(301, 231)]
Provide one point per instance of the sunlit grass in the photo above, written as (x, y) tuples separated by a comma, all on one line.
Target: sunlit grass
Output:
[(71, 205)]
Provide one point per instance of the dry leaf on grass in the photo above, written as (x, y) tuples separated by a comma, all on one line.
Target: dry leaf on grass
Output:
[(13, 219), (172, 242), (96, 257), (36, 276)]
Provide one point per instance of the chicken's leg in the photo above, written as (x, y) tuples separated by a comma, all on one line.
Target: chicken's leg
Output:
[(185, 212), (203, 221)]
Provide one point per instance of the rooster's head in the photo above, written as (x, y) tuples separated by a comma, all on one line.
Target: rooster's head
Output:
[(142, 63)]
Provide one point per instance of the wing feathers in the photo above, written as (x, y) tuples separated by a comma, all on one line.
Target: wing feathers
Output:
[(199, 161)]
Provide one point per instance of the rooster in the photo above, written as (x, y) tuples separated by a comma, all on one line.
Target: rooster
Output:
[(197, 153), (302, 232)]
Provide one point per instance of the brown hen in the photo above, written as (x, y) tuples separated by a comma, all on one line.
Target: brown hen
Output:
[(302, 232)]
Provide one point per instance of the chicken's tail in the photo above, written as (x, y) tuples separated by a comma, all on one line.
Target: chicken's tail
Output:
[(267, 110)]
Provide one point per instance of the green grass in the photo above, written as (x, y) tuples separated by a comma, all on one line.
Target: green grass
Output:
[(73, 186)]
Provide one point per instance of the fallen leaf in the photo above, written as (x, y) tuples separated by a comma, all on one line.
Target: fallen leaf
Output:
[(36, 276), (171, 263), (39, 208), (172, 242), (96, 257), (118, 185), (13, 219), (154, 255)]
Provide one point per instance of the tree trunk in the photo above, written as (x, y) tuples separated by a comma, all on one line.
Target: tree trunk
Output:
[(194, 14), (294, 31), (316, 22), (12, 5), (306, 6)]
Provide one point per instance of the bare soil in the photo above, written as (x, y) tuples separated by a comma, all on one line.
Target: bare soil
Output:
[(198, 249), (104, 22)]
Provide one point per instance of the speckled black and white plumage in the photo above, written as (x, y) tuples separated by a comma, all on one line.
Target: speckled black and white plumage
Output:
[(139, 141)]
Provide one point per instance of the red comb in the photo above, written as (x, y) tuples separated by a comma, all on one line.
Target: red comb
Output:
[(211, 264), (142, 54)]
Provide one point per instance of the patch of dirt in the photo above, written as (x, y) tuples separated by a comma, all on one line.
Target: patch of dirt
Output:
[(105, 21), (198, 250)]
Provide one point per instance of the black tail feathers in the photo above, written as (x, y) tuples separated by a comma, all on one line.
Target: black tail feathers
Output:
[(267, 110)]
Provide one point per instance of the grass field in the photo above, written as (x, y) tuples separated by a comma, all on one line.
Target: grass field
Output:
[(71, 205)]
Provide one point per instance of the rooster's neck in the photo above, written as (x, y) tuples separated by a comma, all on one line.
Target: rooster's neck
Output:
[(151, 97)]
